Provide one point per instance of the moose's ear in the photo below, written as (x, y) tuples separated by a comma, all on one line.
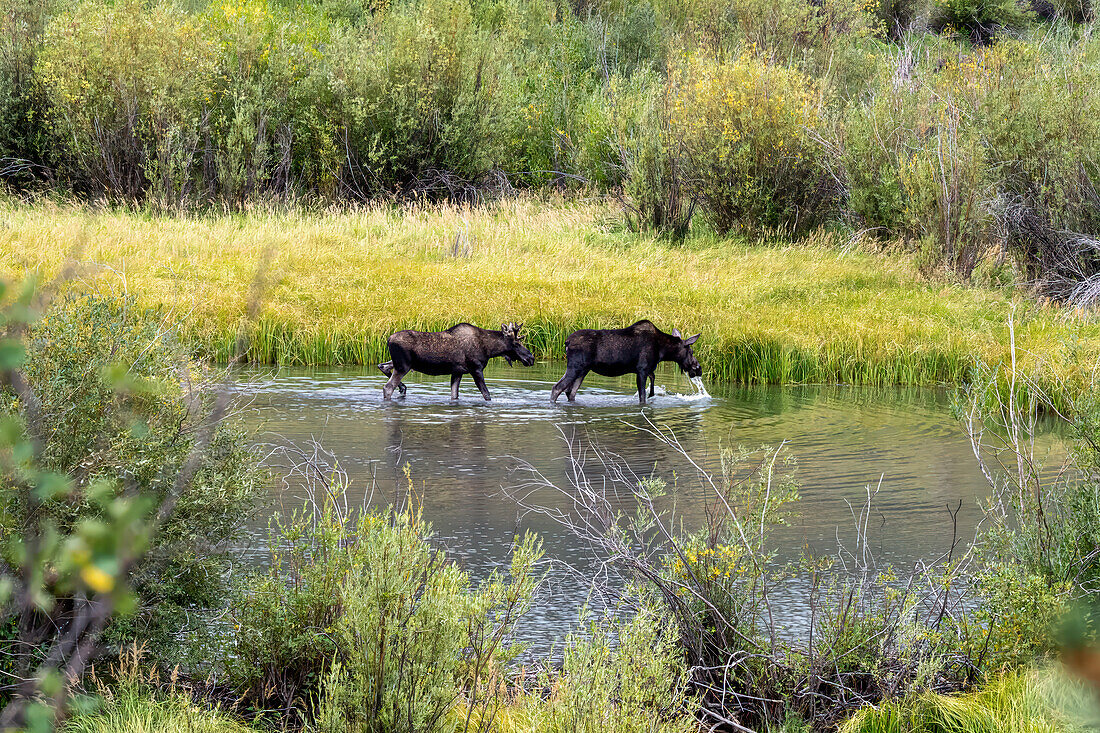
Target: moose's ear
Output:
[(505, 328), (676, 333), (693, 339)]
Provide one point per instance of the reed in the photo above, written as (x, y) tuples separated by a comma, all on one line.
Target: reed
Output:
[(336, 283)]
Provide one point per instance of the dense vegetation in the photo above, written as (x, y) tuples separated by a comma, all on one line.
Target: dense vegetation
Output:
[(967, 128), (116, 507), (910, 148)]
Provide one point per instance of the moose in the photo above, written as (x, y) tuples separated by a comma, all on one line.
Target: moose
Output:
[(461, 349), (614, 352)]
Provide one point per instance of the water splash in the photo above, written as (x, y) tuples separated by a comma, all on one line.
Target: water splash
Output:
[(700, 388)]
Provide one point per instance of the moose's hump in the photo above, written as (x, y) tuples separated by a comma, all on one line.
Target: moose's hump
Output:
[(644, 325)]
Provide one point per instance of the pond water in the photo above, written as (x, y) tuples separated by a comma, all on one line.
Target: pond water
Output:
[(462, 455)]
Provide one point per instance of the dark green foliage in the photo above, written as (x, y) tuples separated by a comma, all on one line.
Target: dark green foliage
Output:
[(362, 625), (24, 137), (120, 404)]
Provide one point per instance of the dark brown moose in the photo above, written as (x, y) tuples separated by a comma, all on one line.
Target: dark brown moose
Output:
[(613, 352), (461, 349)]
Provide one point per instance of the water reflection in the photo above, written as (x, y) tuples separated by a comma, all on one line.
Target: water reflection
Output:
[(460, 455)]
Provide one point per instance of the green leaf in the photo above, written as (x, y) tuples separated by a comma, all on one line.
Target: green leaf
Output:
[(12, 354), (52, 485)]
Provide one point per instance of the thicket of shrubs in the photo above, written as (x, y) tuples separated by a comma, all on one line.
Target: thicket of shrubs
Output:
[(120, 485), (966, 127)]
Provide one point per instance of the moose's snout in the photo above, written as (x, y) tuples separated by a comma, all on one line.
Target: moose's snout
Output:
[(525, 357), (691, 367)]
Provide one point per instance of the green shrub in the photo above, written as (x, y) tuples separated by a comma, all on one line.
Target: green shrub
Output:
[(426, 89), (1039, 550), (1043, 130), (273, 117), (655, 185), (916, 162), (747, 132), (981, 20), (127, 84), (618, 678), (133, 442), (366, 626), (22, 133)]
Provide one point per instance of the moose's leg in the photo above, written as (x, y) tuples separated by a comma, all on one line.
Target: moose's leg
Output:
[(642, 377), (563, 384), (455, 379), (652, 386), (386, 368), (479, 380), (572, 393), (393, 383)]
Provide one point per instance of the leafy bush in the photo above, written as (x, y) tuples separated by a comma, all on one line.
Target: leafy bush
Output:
[(272, 115), (981, 20), (747, 132), (23, 138), (425, 89), (1040, 549), (126, 84), (625, 677), (96, 458), (916, 163), (655, 184), (366, 626), (119, 403), (1043, 132), (870, 635)]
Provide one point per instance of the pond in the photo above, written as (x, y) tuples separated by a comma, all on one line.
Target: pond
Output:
[(462, 455)]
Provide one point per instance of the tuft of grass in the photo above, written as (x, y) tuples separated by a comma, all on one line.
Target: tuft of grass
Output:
[(1035, 701), (134, 712), (337, 283)]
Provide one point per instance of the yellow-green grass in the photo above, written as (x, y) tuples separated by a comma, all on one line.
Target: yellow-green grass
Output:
[(338, 283), (1037, 701), (130, 711)]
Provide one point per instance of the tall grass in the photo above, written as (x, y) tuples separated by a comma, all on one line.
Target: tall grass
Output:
[(1019, 702), (338, 282), (137, 712)]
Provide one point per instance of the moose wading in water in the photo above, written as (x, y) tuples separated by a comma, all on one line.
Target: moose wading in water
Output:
[(461, 349), (613, 352)]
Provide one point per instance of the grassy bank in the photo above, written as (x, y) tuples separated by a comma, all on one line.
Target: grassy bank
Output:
[(338, 283)]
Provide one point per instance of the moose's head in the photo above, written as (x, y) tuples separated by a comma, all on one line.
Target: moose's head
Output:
[(515, 347), (683, 355)]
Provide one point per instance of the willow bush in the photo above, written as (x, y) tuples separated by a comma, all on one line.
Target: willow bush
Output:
[(361, 624), (746, 127), (126, 88)]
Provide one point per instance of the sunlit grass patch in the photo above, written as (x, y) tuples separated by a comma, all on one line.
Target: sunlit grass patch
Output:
[(1037, 701), (335, 284), (133, 712)]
